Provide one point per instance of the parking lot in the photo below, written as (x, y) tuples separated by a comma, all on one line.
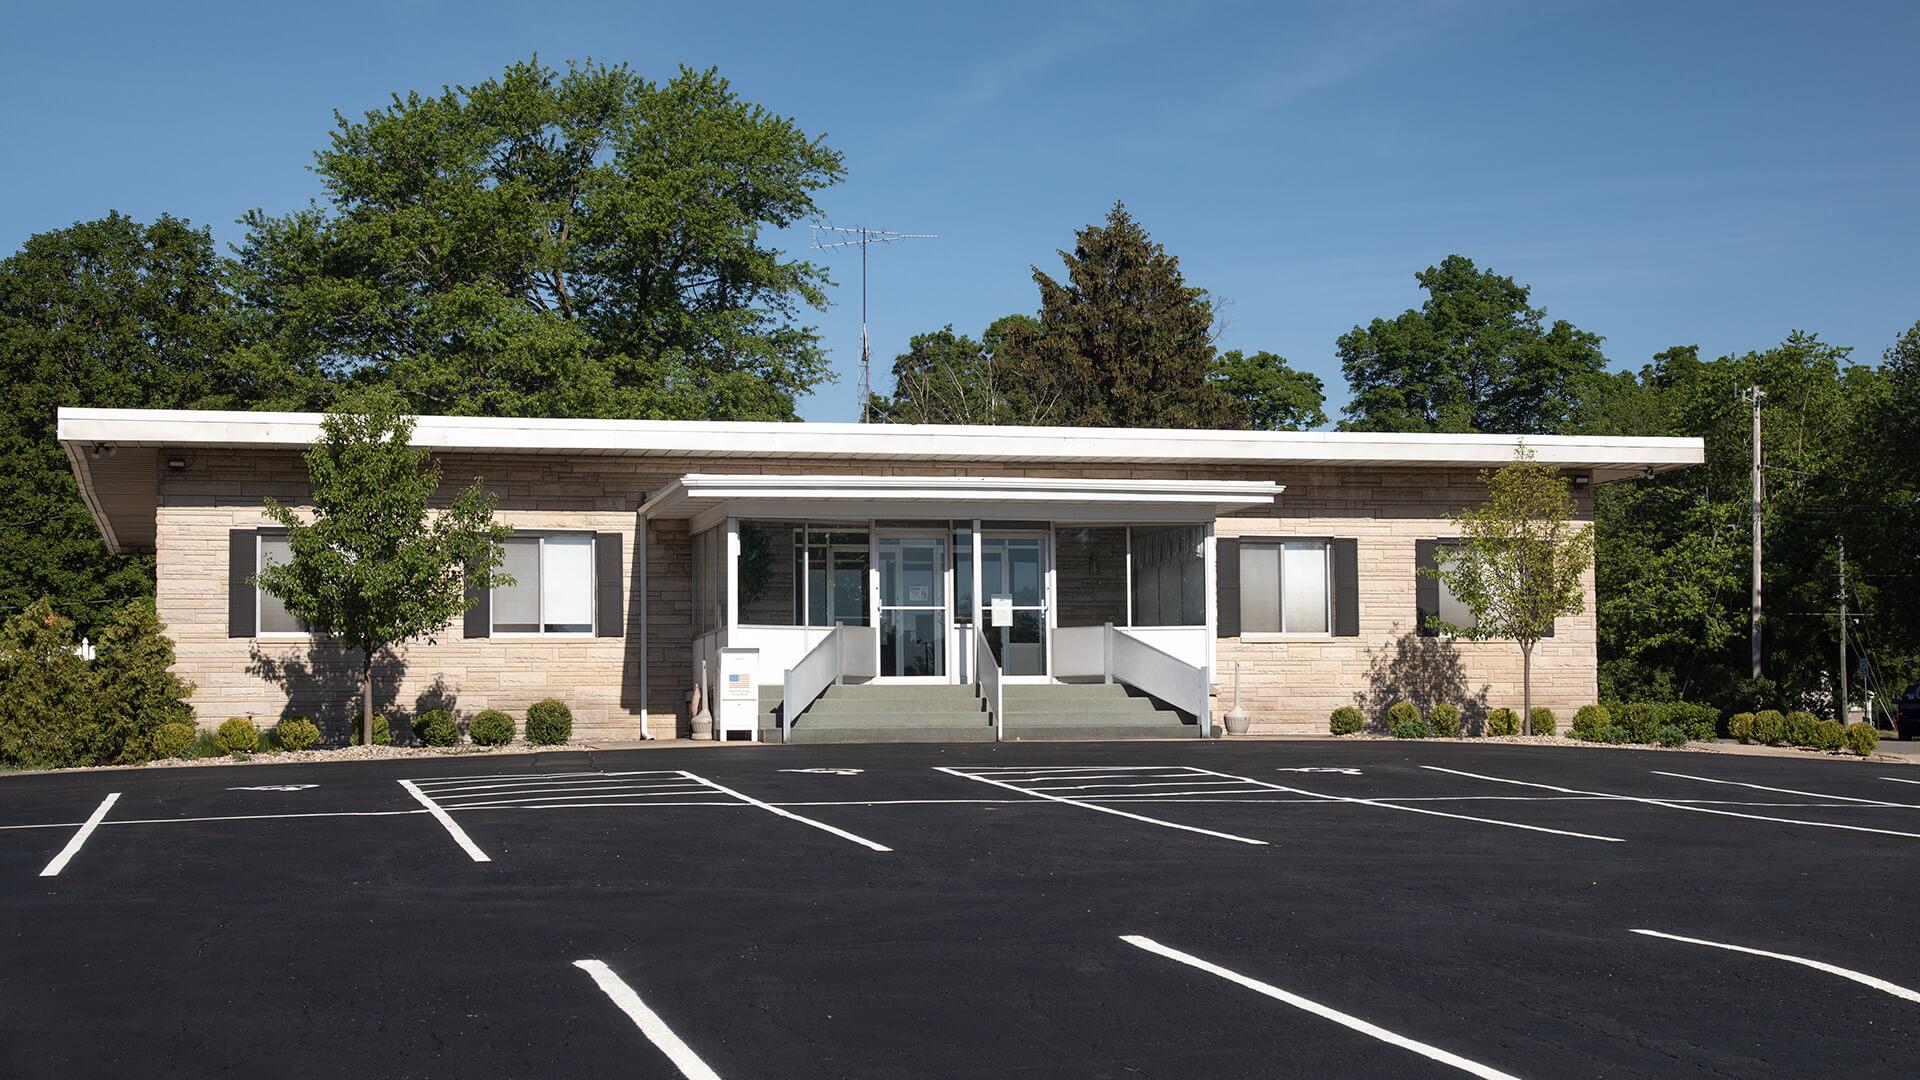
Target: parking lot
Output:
[(1163, 909)]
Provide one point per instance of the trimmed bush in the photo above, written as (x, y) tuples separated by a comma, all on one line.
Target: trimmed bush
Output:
[(1544, 722), (296, 733), (1405, 728), (204, 745), (237, 736), (382, 733), (1346, 720), (1402, 711), (1830, 736), (1740, 726), (1670, 736), (436, 727), (495, 728), (172, 738), (1615, 735), (1444, 718), (1862, 738), (1503, 722), (1641, 719), (1803, 728), (1590, 721), (549, 722), (1769, 727), (1698, 721)]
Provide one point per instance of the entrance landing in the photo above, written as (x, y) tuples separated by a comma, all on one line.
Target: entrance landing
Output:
[(880, 712)]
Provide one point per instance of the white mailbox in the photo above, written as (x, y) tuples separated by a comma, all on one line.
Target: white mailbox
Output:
[(737, 702)]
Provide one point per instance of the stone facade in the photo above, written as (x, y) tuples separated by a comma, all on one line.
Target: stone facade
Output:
[(1288, 684)]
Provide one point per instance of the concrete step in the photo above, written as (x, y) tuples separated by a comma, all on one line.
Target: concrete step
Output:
[(899, 691), (1093, 718), (803, 733), (895, 707), (1092, 731)]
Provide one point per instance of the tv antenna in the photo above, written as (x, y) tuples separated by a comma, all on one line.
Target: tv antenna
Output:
[(861, 236)]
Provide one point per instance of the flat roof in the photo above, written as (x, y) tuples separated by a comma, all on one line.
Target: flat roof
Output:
[(118, 486)]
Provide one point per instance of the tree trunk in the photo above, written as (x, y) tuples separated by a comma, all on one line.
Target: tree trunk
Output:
[(366, 698), (1526, 687)]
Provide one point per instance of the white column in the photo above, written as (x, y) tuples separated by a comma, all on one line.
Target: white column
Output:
[(979, 627), (1209, 549), (733, 577), (640, 574)]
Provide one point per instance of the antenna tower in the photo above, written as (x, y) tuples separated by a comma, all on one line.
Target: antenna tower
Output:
[(861, 236)]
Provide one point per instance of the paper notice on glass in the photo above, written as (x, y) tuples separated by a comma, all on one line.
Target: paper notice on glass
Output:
[(1002, 611)]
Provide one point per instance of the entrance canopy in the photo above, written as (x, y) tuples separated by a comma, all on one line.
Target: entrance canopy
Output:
[(708, 499)]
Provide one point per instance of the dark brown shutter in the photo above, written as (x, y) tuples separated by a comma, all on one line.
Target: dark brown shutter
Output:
[(1346, 588), (611, 584), (1226, 578), (1426, 589), (242, 551), (479, 619)]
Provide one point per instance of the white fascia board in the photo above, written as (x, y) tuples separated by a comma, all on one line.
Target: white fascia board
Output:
[(263, 430), (696, 494)]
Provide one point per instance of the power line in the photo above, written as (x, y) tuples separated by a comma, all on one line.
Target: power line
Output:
[(862, 238)]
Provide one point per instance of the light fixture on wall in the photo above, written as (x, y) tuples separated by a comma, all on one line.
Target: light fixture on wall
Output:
[(176, 464), (1581, 480)]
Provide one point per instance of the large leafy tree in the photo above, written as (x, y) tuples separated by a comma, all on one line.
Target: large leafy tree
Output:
[(372, 563), (1476, 356), (568, 243), (1124, 341), (1276, 397), (949, 378), (111, 313)]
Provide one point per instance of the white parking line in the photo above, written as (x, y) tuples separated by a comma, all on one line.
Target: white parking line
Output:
[(648, 1021), (1423, 810), (60, 861), (1346, 1020), (1101, 809), (790, 815), (1881, 985), (1676, 805), (1900, 780), (446, 820), (1783, 790)]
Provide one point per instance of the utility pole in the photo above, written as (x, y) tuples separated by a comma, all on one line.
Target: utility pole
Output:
[(1754, 394), (860, 237), (1843, 630)]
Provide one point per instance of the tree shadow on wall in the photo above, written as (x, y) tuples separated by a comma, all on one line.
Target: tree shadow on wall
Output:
[(1426, 671), (438, 696), (322, 683)]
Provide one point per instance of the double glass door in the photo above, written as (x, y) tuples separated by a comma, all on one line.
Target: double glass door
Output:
[(913, 602)]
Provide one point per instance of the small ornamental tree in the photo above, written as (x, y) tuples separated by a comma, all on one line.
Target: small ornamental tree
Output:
[(1519, 563), (373, 564)]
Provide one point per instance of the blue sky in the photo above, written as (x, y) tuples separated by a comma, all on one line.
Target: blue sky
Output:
[(1661, 173)]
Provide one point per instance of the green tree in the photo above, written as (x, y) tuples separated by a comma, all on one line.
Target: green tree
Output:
[(1476, 356), (949, 378), (135, 688), (1277, 398), (107, 313), (577, 243), (1520, 562), (46, 693), (372, 564), (1124, 340)]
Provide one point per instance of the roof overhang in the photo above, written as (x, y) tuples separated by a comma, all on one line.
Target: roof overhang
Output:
[(706, 499)]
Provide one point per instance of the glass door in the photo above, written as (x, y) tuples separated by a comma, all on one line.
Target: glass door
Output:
[(912, 568), (1013, 601)]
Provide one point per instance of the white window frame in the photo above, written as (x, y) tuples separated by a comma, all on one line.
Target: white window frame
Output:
[(259, 564), (540, 599), (1326, 555)]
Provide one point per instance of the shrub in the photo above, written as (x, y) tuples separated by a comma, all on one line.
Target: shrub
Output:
[(1503, 722), (1769, 727), (1670, 736), (1802, 728), (1862, 738), (1590, 721), (204, 745), (1409, 727), (172, 738), (1544, 722), (382, 733), (1641, 719), (46, 693), (1615, 735), (495, 728), (549, 722), (1444, 718), (1346, 720), (297, 733), (1402, 711), (136, 690), (1698, 721), (1830, 735), (436, 727), (1740, 726), (237, 736)]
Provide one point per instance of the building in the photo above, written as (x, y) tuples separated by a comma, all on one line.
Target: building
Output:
[(998, 563)]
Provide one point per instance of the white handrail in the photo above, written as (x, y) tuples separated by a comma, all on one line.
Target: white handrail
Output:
[(986, 677), (1165, 676), (844, 651)]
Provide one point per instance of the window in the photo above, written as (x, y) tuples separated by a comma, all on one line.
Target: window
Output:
[(272, 617), (1169, 576), (1451, 610), (1284, 587), (553, 584)]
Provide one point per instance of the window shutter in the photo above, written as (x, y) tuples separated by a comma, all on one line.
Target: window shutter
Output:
[(610, 583), (1426, 590), (1226, 578), (242, 551), (479, 620), (1346, 587)]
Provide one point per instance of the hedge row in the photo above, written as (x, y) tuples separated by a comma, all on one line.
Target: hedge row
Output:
[(1666, 723), (1404, 720), (549, 723), (1770, 727)]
